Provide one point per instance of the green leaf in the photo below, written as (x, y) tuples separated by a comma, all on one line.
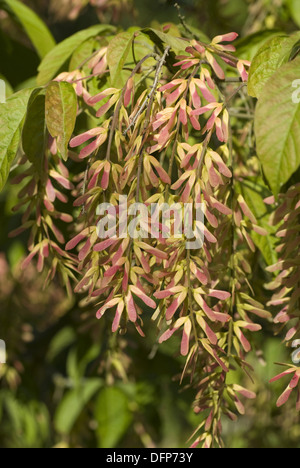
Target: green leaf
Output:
[(62, 340), (72, 368), (197, 33), (61, 54), (277, 126), (113, 416), (73, 403), (269, 58), (294, 10), (247, 47), (255, 191), (82, 52), (61, 110), (35, 28), (273, 352), (117, 53), (120, 53), (29, 422), (162, 40), (34, 130), (11, 117)]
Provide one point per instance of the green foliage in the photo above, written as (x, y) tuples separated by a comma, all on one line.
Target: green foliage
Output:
[(61, 111), (271, 56), (247, 47), (34, 27), (64, 338), (293, 6), (255, 192), (73, 403), (161, 40), (12, 114), (113, 416), (117, 53), (62, 53), (277, 127), (30, 422), (34, 129)]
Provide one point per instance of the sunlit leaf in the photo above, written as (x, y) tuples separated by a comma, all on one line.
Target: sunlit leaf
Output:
[(113, 416), (269, 58), (11, 117), (61, 110), (294, 10), (277, 126), (34, 27), (59, 56), (117, 53), (247, 47), (176, 43), (34, 130), (73, 403), (254, 192)]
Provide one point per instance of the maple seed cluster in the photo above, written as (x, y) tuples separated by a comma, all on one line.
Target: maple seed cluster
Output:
[(163, 136), (147, 136), (286, 287)]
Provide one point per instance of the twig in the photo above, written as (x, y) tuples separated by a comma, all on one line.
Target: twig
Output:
[(190, 297), (203, 153), (178, 129), (229, 57), (87, 77), (83, 190), (133, 52), (119, 105), (234, 94), (232, 252), (182, 21), (88, 59), (241, 115), (93, 75), (147, 119), (150, 71), (145, 134), (151, 93), (139, 112), (232, 79)]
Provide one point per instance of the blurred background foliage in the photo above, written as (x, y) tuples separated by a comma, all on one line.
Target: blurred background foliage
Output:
[(68, 383)]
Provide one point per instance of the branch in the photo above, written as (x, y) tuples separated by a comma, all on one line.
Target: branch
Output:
[(149, 98), (203, 153), (178, 127), (182, 21), (197, 38), (234, 94), (119, 105), (151, 94)]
